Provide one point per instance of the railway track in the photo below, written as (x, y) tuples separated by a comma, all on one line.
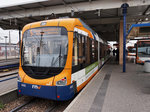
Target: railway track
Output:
[(22, 106), (52, 106), (58, 106), (28, 104)]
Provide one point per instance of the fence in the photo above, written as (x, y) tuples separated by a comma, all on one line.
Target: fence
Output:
[(9, 52)]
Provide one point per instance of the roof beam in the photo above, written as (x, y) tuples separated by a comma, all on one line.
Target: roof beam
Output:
[(63, 1), (90, 0), (41, 5), (114, 20), (144, 13), (33, 19), (82, 6), (21, 7), (4, 22)]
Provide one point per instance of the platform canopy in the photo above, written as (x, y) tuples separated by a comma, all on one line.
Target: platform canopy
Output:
[(141, 31), (103, 16)]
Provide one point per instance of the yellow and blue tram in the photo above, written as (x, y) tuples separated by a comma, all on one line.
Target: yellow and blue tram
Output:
[(58, 58)]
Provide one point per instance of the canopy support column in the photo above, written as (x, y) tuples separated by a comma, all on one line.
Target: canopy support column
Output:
[(121, 43), (124, 11)]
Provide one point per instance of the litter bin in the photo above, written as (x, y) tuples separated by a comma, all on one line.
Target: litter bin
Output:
[(147, 66)]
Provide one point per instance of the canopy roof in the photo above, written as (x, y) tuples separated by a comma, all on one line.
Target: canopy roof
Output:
[(139, 30)]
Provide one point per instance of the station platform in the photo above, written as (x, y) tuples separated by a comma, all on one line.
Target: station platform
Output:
[(9, 61), (9, 72), (111, 90), (8, 81), (8, 85)]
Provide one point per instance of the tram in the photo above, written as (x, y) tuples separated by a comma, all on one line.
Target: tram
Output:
[(58, 58), (142, 51)]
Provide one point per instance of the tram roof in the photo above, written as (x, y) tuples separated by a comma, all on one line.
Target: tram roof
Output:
[(69, 21)]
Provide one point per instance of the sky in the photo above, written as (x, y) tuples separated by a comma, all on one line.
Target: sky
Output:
[(14, 35)]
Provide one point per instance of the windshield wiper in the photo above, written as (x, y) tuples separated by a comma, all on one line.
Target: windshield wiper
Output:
[(52, 61), (41, 41), (60, 56)]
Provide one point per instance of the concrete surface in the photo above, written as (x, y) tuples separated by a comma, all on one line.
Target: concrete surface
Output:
[(123, 92)]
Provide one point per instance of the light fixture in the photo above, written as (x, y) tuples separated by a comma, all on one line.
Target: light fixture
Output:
[(99, 12), (72, 13), (146, 19)]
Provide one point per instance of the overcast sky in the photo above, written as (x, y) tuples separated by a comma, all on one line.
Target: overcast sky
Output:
[(14, 33)]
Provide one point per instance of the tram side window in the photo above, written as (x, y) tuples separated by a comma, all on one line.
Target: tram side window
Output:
[(88, 51), (101, 51), (84, 50), (80, 49), (93, 51), (91, 58), (75, 50), (96, 50)]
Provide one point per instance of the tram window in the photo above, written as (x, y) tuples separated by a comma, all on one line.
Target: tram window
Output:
[(75, 50), (88, 50), (101, 51), (84, 49), (80, 49), (93, 51), (96, 50)]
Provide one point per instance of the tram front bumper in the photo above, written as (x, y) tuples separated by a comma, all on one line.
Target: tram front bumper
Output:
[(49, 92)]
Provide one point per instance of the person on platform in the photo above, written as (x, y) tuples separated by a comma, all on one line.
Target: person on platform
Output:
[(114, 51), (117, 54)]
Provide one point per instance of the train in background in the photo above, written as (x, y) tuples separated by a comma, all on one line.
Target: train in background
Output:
[(142, 51), (58, 58), (131, 51)]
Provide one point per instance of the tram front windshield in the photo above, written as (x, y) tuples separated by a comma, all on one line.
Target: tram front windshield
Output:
[(144, 49), (45, 47)]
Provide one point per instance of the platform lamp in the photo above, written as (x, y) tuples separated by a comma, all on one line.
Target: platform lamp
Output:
[(6, 46)]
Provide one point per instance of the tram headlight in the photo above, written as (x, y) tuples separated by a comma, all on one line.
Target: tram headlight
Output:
[(62, 82), (19, 78)]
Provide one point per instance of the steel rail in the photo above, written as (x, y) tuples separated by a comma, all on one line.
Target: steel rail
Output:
[(22, 105)]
